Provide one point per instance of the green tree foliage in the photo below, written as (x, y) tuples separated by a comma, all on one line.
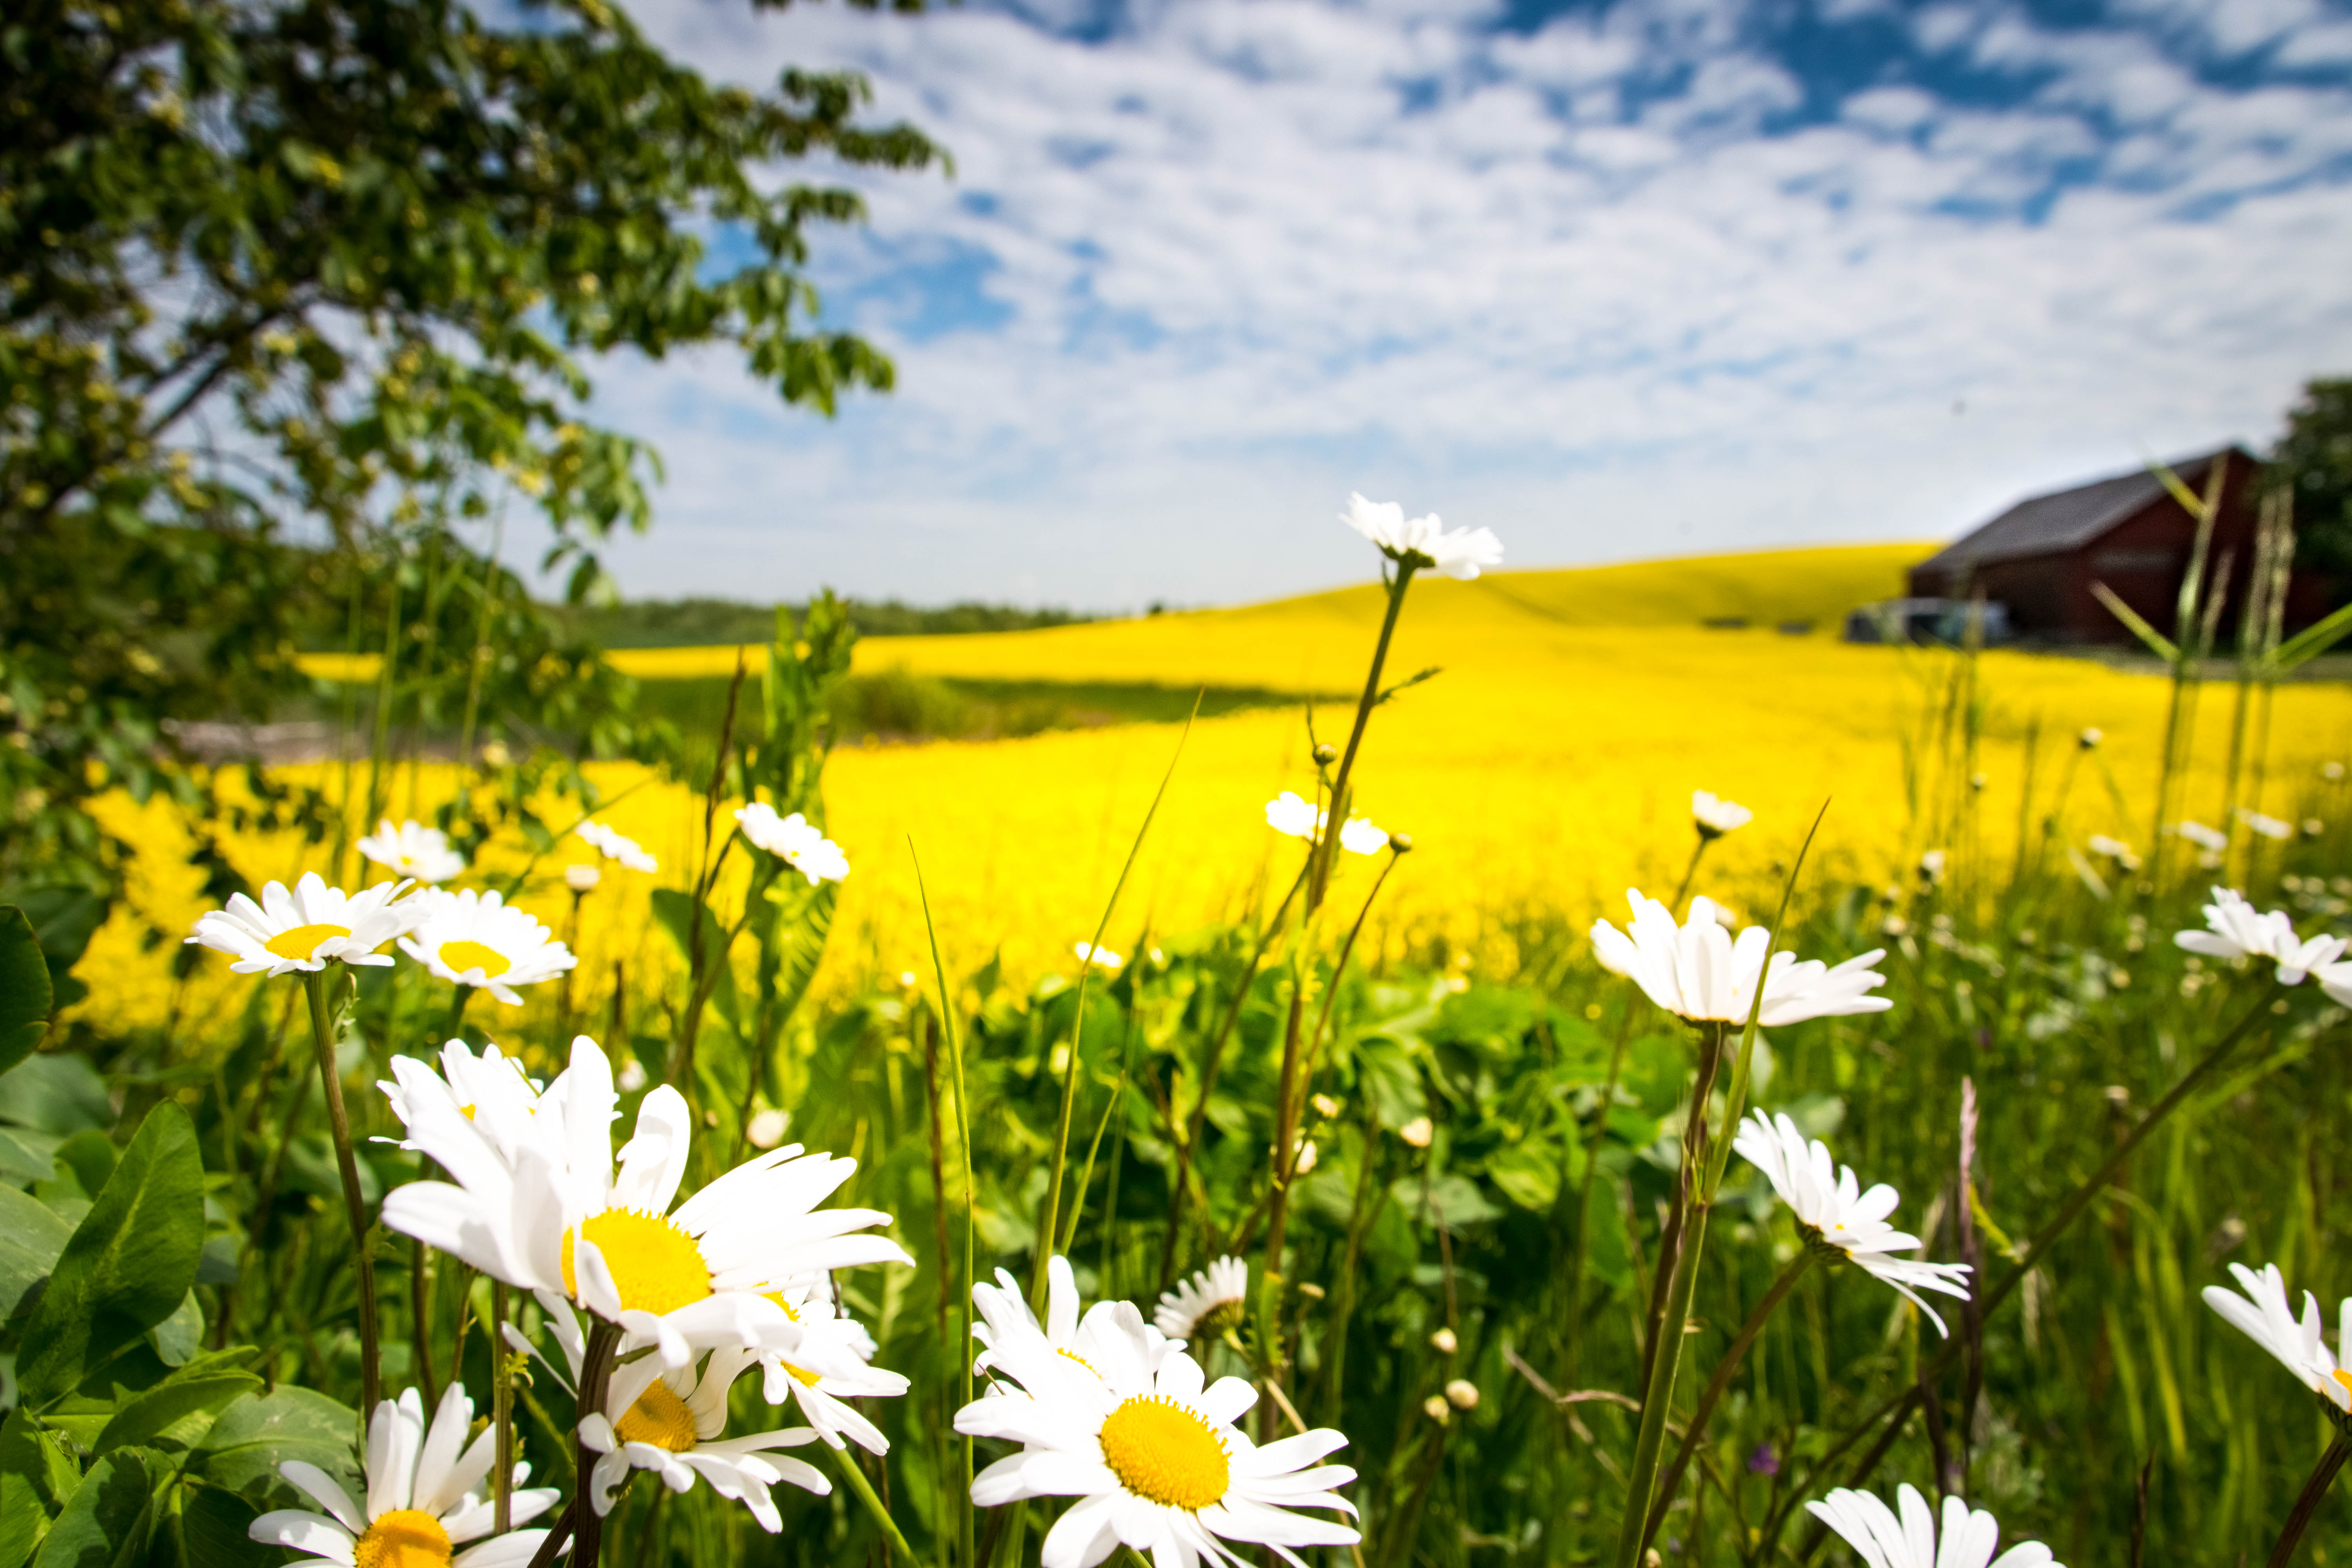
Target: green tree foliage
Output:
[(317, 276), (2314, 460)]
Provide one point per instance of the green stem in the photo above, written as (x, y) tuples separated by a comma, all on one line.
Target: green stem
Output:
[(2323, 1476), (864, 1491), (322, 1037), (1188, 1146), (501, 1413), (1695, 1428), (1329, 845), (964, 1137)]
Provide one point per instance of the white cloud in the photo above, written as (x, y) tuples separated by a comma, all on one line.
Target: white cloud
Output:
[(1585, 285)]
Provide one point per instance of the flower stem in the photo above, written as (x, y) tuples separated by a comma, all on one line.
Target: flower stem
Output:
[(501, 1413), (2323, 1476), (1899, 1404), (595, 1380), (322, 1037), (1188, 1146), (1695, 1429), (864, 1491), (1329, 844)]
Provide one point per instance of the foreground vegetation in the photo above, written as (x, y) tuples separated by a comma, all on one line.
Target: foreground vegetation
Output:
[(1476, 1226)]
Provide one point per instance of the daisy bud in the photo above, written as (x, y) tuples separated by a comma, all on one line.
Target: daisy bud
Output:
[(2090, 738), (1401, 843), (1444, 1342), (1325, 753), (1435, 1407), (1977, 781), (1462, 1393), (2313, 827), (582, 878)]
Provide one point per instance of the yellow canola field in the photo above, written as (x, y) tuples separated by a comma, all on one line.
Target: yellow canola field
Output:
[(1546, 768)]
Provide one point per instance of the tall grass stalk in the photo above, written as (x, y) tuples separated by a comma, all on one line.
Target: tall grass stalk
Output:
[(962, 1348), (323, 1016), (1052, 1225)]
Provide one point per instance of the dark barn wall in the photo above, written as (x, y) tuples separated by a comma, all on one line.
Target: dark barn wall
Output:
[(2143, 560)]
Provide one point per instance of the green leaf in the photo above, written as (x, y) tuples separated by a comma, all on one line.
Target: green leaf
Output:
[(2157, 643), (22, 1157), (1526, 1176), (178, 1411), (259, 1432), (31, 1237), (37, 1477), (24, 989), (178, 1336), (2313, 640), (106, 1522), (89, 1154), (128, 1264), (1451, 1199), (59, 1093), (213, 1527)]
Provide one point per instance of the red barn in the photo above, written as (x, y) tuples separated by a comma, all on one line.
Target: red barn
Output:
[(2041, 555)]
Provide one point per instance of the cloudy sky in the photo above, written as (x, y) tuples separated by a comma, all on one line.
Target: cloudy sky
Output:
[(1632, 278)]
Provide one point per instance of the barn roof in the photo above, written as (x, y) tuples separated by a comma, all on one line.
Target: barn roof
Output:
[(2068, 520)]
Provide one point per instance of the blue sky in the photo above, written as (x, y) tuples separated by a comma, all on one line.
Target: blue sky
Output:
[(1616, 279)]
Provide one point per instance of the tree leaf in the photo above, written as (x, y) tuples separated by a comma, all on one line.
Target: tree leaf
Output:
[(261, 1431), (106, 1522), (128, 1264), (24, 989)]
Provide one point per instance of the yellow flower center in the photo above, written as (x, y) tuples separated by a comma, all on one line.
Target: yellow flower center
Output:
[(1060, 1349), (300, 943), (404, 1538), (657, 1267), (2345, 1378), (660, 1418), (461, 956), (1162, 1451), (807, 1378)]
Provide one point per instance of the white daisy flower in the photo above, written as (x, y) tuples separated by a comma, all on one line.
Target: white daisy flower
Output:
[(1839, 1217), (427, 1495), (491, 1080), (1716, 817), (479, 939), (1100, 957), (413, 850), (1005, 1314), (307, 929), (1931, 866), (2203, 837), (1700, 971), (2114, 849), (1425, 541), (534, 1199), (2268, 826), (792, 840), (1151, 1451), (1206, 1305), (668, 1421), (1287, 813), (831, 1363), (582, 878), (2236, 931), (1884, 1540), (615, 846), (2262, 1315)]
